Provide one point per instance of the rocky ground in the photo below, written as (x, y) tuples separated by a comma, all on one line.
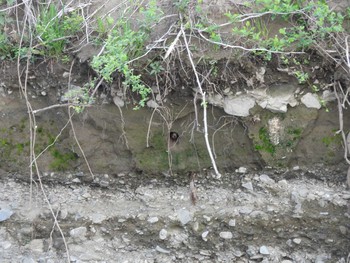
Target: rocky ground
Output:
[(285, 216)]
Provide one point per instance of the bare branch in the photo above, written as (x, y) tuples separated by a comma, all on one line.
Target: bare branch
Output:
[(203, 103)]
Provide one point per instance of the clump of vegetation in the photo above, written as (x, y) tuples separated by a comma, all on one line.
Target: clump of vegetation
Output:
[(54, 29), (125, 44), (264, 143)]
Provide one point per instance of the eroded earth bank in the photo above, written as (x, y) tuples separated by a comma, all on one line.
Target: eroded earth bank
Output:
[(284, 216)]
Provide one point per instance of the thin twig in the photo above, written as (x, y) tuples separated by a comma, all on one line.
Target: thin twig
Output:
[(59, 106), (203, 103), (341, 125), (73, 129)]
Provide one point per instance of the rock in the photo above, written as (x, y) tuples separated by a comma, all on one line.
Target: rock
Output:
[(76, 180), (241, 170), (328, 95), (27, 259), (184, 216), (238, 105), (237, 253), (152, 104), (264, 251), (162, 250), (65, 74), (63, 213), (297, 241), (296, 168), (5, 244), (153, 220), (36, 245), (5, 214), (248, 186), (342, 230), (245, 210), (195, 226), (286, 261), (98, 218), (264, 178), (78, 233), (232, 222), (204, 235), (311, 100), (226, 235), (163, 234), (86, 195), (205, 252), (216, 99), (283, 183), (251, 250), (118, 101), (207, 218), (276, 98)]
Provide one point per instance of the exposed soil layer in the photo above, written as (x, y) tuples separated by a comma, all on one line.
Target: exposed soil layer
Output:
[(258, 216)]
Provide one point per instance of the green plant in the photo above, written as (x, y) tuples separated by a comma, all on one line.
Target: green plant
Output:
[(323, 103), (124, 44), (181, 5), (79, 97), (104, 26), (301, 76), (61, 160), (265, 142), (53, 30), (311, 22), (156, 68), (7, 47)]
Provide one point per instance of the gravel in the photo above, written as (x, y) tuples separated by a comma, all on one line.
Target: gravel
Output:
[(295, 220)]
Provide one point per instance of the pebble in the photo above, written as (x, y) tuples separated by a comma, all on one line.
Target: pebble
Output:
[(264, 251), (118, 101), (342, 230), (104, 183), (195, 226), (152, 219), (232, 222), (63, 213), (27, 259), (297, 241), (78, 232), (226, 235), (65, 74), (248, 186), (36, 245), (5, 244), (5, 214), (245, 210), (208, 218), (286, 261), (204, 235), (184, 216), (241, 170), (283, 183), (237, 253), (162, 250), (86, 195), (264, 178), (152, 104), (98, 218), (76, 180), (163, 234)]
